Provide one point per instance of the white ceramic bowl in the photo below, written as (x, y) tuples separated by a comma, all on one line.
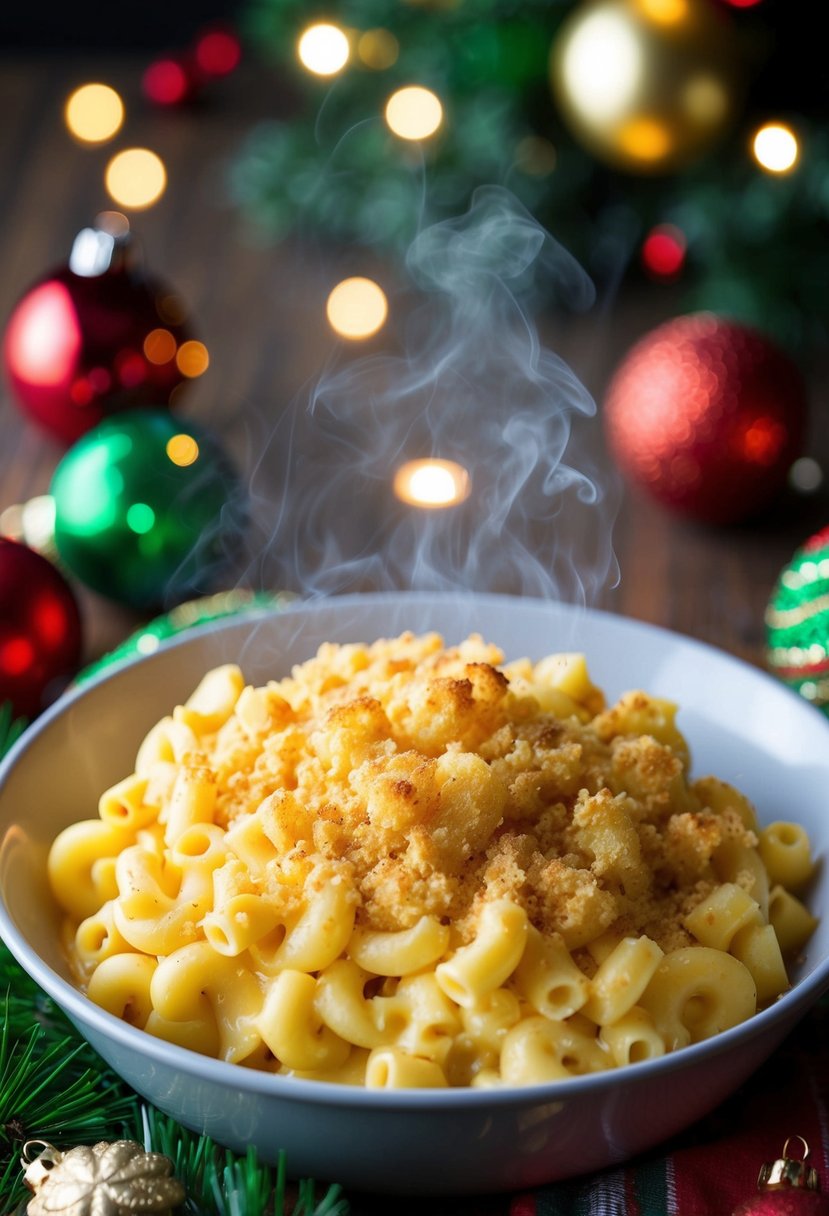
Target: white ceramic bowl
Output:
[(742, 726)]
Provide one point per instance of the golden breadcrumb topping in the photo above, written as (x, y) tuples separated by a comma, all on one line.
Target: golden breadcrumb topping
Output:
[(434, 779)]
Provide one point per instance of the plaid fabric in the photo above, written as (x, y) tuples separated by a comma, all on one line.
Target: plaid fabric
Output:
[(708, 1170)]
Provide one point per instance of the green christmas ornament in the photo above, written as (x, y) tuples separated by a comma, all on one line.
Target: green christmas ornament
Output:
[(797, 622), (148, 509)]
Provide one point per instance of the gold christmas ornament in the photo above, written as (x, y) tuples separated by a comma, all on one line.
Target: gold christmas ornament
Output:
[(647, 85), (105, 1180)]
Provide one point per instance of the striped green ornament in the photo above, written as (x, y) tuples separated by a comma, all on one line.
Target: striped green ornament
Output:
[(797, 622)]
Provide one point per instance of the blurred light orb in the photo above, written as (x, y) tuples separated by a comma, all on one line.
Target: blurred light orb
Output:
[(663, 251), (432, 483), (775, 148), (136, 178), (94, 113), (192, 359), (414, 112), (182, 450), (805, 475), (378, 49), (160, 346), (646, 85), (324, 49), (218, 52), (166, 83), (357, 308)]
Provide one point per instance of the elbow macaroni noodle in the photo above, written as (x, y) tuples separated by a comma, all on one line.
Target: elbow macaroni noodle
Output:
[(405, 865)]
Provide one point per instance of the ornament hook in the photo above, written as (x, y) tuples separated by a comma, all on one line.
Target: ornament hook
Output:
[(802, 1141), (37, 1159)]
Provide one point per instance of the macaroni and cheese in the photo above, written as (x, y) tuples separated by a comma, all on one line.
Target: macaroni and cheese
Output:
[(411, 865)]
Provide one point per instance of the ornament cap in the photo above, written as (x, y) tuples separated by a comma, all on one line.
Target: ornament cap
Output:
[(789, 1172)]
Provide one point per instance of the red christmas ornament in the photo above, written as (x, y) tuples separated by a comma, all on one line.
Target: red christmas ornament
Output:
[(40, 629), (707, 416), (94, 337), (787, 1187)]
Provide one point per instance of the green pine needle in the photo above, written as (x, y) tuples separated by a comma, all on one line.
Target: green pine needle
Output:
[(55, 1087), (221, 1183)]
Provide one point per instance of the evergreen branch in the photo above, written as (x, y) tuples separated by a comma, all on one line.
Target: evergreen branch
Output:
[(221, 1183), (55, 1087)]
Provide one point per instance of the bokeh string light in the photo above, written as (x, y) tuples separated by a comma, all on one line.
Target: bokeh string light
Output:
[(357, 308), (432, 483), (414, 112), (94, 113), (136, 178), (776, 148), (323, 49)]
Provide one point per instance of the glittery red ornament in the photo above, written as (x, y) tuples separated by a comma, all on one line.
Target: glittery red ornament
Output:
[(787, 1187), (40, 629), (94, 337), (706, 415)]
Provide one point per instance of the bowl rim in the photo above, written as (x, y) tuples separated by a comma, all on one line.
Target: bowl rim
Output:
[(780, 1016)]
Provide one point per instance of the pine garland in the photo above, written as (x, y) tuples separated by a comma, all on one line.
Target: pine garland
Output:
[(55, 1087)]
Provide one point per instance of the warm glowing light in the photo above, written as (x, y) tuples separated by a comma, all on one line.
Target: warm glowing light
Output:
[(664, 12), (43, 339), (94, 113), (159, 346), (378, 49), (775, 148), (323, 49), (192, 359), (140, 517), (663, 251), (357, 308), (647, 139), (414, 112), (182, 450), (432, 483), (136, 178), (602, 65)]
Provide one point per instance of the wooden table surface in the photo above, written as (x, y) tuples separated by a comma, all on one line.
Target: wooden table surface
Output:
[(260, 310)]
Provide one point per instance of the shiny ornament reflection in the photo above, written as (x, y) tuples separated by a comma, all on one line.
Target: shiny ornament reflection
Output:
[(646, 85)]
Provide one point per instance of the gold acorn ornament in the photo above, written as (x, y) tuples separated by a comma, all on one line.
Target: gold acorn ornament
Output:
[(646, 86), (115, 1179)]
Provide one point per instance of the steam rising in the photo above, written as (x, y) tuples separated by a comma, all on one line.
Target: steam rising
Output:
[(473, 384)]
